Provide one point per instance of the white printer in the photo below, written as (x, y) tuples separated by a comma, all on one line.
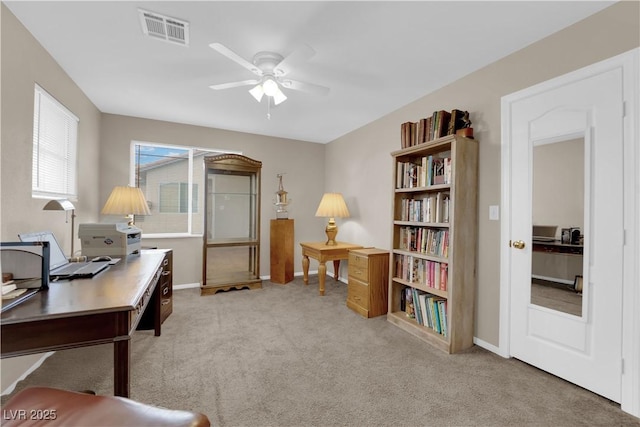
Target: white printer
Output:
[(118, 239)]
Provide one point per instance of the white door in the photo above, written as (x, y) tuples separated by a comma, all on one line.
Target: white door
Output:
[(566, 158)]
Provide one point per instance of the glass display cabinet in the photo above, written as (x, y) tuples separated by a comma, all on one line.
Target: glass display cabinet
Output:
[(231, 249)]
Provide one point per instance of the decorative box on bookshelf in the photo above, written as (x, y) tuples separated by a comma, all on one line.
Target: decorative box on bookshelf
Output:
[(432, 276)]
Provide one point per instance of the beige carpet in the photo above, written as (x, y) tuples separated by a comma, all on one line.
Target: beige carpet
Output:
[(284, 356)]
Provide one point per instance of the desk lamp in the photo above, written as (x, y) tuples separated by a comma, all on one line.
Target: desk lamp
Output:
[(63, 205), (128, 201), (332, 205)]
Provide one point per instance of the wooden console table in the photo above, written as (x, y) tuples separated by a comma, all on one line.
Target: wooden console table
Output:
[(84, 312), (323, 253)]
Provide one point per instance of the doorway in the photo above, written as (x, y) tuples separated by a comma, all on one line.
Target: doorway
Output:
[(574, 239)]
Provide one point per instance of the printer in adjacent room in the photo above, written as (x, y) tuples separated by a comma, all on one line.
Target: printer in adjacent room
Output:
[(119, 239)]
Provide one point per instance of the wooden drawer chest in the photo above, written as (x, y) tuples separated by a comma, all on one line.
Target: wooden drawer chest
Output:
[(368, 285), (165, 288)]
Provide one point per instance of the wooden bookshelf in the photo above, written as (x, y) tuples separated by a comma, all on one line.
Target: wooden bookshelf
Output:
[(434, 235)]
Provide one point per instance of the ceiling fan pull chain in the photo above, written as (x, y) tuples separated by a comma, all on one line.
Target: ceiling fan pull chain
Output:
[(268, 108)]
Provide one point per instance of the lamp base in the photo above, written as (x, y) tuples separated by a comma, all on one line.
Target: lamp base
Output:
[(331, 232)]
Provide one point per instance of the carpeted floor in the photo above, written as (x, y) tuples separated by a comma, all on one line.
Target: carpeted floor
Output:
[(284, 356)]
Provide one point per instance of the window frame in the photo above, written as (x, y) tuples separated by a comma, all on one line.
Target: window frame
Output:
[(190, 149)]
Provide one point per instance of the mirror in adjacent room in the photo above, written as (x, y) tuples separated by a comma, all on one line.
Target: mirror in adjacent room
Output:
[(558, 206)]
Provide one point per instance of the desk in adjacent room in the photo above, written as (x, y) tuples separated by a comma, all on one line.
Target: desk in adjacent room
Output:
[(323, 253), (83, 312), (556, 262)]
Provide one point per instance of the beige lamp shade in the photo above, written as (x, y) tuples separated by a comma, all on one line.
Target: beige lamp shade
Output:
[(332, 205), (126, 201)]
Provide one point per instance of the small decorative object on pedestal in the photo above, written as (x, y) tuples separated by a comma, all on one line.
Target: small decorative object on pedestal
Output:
[(281, 200), (467, 130)]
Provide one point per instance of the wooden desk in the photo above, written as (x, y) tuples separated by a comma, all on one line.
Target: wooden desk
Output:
[(83, 312), (556, 262), (323, 253)]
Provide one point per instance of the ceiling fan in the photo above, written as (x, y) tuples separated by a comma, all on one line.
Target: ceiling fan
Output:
[(271, 70)]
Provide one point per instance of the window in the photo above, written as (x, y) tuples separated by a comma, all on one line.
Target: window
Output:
[(172, 180), (55, 136), (174, 197)]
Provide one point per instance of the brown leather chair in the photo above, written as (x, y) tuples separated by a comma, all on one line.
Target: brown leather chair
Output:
[(43, 406)]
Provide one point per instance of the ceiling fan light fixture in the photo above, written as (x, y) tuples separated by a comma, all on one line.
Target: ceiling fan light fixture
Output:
[(257, 92), (270, 87), (279, 97)]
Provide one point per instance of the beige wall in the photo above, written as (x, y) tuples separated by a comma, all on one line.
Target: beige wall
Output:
[(24, 63), (359, 164), (301, 162)]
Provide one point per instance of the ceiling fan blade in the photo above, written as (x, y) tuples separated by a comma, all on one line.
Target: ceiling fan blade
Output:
[(304, 87), (234, 84), (222, 49), (302, 54)]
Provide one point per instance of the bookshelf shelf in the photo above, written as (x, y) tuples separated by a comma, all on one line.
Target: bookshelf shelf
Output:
[(432, 274)]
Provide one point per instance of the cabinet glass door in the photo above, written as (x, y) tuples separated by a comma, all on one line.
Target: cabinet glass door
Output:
[(232, 224)]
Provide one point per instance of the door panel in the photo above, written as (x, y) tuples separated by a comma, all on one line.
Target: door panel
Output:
[(583, 348)]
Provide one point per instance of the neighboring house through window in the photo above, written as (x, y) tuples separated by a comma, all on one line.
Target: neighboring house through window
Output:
[(172, 180), (55, 138)]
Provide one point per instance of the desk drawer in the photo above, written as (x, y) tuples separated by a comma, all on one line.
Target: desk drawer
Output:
[(358, 294), (359, 267)]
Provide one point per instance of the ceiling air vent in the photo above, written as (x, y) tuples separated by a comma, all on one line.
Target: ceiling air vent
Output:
[(164, 28)]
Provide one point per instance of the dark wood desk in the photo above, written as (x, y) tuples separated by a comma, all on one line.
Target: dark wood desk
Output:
[(83, 312)]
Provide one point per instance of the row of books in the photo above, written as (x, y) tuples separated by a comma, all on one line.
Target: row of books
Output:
[(433, 208), (424, 171), (432, 274), (440, 123), (428, 241), (428, 310)]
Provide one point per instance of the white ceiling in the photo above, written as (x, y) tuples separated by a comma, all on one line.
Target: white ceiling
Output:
[(375, 56)]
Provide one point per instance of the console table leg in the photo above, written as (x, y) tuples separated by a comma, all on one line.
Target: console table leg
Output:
[(322, 274), (336, 268), (121, 361), (305, 269)]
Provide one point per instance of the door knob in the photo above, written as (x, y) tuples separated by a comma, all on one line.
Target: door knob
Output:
[(518, 244)]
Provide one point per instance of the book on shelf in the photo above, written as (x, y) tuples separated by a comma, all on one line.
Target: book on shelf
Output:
[(457, 121), (442, 310), (426, 309), (428, 241), (409, 307), (428, 273), (440, 123), (424, 171)]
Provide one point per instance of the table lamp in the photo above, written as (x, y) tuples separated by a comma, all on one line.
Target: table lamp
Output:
[(127, 201), (332, 205), (63, 205)]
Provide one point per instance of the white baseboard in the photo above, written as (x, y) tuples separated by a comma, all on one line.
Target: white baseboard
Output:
[(492, 348), (26, 373), (186, 286)]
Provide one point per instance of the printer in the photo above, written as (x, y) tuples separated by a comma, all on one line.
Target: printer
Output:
[(119, 239)]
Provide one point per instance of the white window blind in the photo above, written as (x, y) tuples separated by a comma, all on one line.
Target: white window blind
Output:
[(55, 137)]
